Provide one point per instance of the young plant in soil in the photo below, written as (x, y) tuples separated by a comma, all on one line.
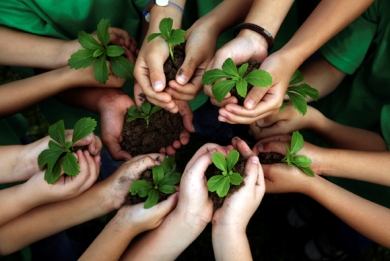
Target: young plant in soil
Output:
[(145, 112), (302, 162), (99, 53), (224, 176), (158, 188), (60, 153)]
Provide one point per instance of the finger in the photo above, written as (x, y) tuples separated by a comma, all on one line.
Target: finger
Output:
[(157, 76), (240, 115), (162, 209), (115, 150), (205, 149), (242, 147), (187, 115), (253, 170), (93, 171), (272, 146), (198, 168)]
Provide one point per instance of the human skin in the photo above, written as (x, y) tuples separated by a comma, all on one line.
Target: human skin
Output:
[(350, 208), (102, 198), (314, 32)]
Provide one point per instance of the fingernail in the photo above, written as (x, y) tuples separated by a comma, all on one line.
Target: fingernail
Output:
[(182, 79), (250, 104), (254, 160), (95, 151), (260, 122), (88, 138), (260, 147), (158, 86), (222, 119), (236, 138)]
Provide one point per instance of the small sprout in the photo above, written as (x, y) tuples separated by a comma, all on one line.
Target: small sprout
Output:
[(171, 36), (234, 78), (60, 153), (221, 183), (164, 179), (292, 160), (145, 112), (100, 52), (298, 94)]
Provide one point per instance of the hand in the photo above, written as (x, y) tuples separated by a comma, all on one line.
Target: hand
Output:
[(278, 144), (285, 121), (65, 187), (262, 102)]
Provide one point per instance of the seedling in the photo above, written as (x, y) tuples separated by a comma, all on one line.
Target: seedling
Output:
[(164, 179), (234, 78), (301, 161), (100, 52), (299, 93), (60, 153), (145, 112), (171, 36), (221, 183)]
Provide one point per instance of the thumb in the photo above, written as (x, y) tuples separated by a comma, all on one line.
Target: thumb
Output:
[(166, 206)]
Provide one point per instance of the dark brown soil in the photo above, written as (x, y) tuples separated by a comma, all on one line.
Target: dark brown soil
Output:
[(252, 66), (270, 157), (212, 170), (164, 127), (135, 199)]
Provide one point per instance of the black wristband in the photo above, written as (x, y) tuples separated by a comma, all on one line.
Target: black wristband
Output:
[(258, 29)]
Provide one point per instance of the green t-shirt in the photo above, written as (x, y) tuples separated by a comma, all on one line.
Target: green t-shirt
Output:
[(361, 50)]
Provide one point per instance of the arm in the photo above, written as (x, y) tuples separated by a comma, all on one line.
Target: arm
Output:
[(314, 32), (350, 208), (100, 199)]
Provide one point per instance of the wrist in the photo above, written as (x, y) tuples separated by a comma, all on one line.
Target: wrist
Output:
[(257, 40), (157, 13), (188, 222)]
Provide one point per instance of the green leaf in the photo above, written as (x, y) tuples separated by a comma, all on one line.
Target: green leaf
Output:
[(283, 106), (165, 26), (171, 178), (259, 78), (222, 88), (167, 189), (83, 127), (122, 67), (57, 132), (51, 176), (177, 37), (115, 50), (70, 165), (308, 90), (229, 67), (49, 158), (243, 69), (152, 36), (232, 159), (101, 70), (296, 78), (219, 161), (155, 109), (133, 111), (87, 41), (68, 144), (140, 187), (224, 187), (308, 171), (81, 59), (152, 199), (296, 142), (146, 107), (212, 75), (98, 52), (158, 174), (214, 182), (241, 87), (298, 102), (302, 161), (168, 163), (102, 31), (235, 179)]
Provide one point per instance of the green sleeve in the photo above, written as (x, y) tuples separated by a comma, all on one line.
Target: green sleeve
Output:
[(385, 124)]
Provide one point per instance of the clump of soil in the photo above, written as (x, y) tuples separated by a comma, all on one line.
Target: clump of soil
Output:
[(135, 199), (270, 157), (164, 127), (252, 66), (212, 170)]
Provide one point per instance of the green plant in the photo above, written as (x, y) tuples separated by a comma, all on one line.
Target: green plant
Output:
[(299, 93), (221, 183), (145, 112), (234, 78), (171, 36), (60, 153), (164, 179), (100, 52), (300, 161)]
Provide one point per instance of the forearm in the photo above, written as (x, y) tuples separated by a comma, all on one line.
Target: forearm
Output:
[(157, 13), (181, 234), (24, 49), (230, 244), (368, 218), (111, 242)]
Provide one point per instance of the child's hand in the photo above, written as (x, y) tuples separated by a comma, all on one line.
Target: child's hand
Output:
[(65, 187), (284, 122)]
